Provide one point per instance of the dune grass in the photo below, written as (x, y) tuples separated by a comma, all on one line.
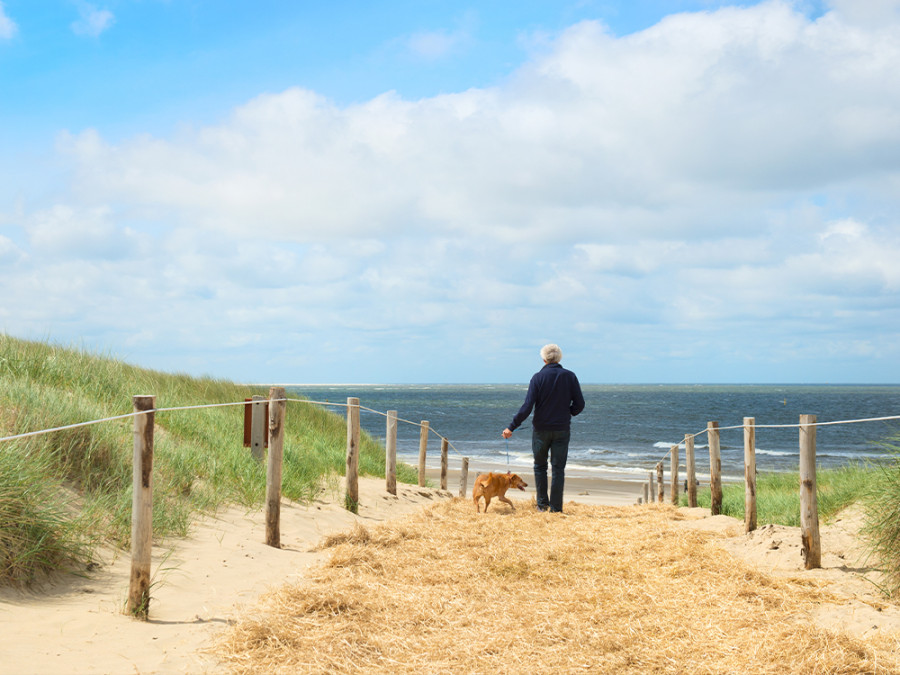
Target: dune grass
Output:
[(882, 527), (61, 494), (778, 494)]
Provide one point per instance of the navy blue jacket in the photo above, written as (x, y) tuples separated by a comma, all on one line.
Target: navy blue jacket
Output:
[(556, 397)]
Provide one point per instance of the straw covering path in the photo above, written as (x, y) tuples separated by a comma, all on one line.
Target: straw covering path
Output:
[(600, 589)]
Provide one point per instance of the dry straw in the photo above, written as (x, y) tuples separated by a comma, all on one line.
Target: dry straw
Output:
[(598, 590)]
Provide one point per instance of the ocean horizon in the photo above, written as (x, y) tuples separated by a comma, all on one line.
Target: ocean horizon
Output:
[(626, 429)]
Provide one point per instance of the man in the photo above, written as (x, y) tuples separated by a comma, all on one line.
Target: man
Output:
[(556, 397)]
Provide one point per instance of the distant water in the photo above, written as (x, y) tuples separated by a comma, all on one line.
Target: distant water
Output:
[(626, 429)]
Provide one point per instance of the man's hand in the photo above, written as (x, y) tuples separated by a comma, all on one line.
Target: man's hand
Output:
[(507, 433)]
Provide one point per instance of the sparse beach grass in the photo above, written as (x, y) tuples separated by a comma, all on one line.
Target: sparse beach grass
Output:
[(64, 492), (778, 494), (882, 529), (601, 589)]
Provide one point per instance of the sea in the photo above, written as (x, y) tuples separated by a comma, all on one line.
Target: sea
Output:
[(625, 430)]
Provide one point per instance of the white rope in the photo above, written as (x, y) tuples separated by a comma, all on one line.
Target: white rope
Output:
[(72, 426), (118, 417), (383, 414), (793, 426), (417, 424)]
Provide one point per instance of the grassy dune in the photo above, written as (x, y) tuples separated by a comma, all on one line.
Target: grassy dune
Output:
[(62, 494)]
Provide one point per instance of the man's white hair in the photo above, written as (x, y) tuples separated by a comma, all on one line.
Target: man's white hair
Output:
[(551, 353)]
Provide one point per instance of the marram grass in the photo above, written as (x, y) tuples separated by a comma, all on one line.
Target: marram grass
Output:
[(63, 493), (778, 494)]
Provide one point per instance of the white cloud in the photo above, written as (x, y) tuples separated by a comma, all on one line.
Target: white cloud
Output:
[(92, 21), (8, 27), (871, 13), (732, 172)]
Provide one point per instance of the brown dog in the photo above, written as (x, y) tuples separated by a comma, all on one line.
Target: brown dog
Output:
[(490, 485)]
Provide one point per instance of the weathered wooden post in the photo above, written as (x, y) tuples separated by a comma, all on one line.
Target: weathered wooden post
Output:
[(652, 488), (423, 451), (351, 474), (749, 474), (445, 444), (715, 468), (646, 493), (277, 407), (674, 475), (809, 504), (138, 604), (390, 450), (659, 483), (691, 470), (464, 477), (258, 427)]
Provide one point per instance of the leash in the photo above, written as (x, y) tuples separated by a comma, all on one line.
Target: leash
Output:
[(507, 455)]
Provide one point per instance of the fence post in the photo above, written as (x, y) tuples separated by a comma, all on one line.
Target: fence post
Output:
[(691, 470), (646, 493), (749, 474), (464, 477), (351, 474), (445, 445), (659, 483), (258, 427), (423, 450), (277, 406), (809, 505), (652, 488), (715, 468), (390, 450), (141, 508), (674, 475)]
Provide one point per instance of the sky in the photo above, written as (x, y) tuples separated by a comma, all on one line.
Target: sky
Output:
[(417, 191)]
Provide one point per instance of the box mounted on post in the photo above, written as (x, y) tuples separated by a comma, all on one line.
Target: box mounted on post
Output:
[(256, 415)]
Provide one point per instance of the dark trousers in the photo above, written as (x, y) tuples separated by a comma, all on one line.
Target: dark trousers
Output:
[(554, 444)]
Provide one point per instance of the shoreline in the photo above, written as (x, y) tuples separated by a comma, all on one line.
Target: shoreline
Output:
[(578, 488)]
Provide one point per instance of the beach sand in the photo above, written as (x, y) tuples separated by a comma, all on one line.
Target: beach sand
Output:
[(201, 583), (578, 487)]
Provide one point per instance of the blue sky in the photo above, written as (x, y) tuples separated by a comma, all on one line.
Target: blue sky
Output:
[(430, 191)]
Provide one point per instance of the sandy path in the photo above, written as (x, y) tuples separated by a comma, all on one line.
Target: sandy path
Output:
[(77, 625)]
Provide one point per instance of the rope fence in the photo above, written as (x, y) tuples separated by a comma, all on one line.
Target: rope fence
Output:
[(809, 516), (270, 433), (263, 433)]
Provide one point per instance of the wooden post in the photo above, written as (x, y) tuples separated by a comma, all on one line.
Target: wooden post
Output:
[(390, 450), (277, 407), (646, 493), (749, 474), (445, 445), (652, 488), (809, 505), (423, 450), (659, 483), (258, 427), (715, 468), (351, 475), (674, 475), (141, 508), (691, 470), (464, 477)]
